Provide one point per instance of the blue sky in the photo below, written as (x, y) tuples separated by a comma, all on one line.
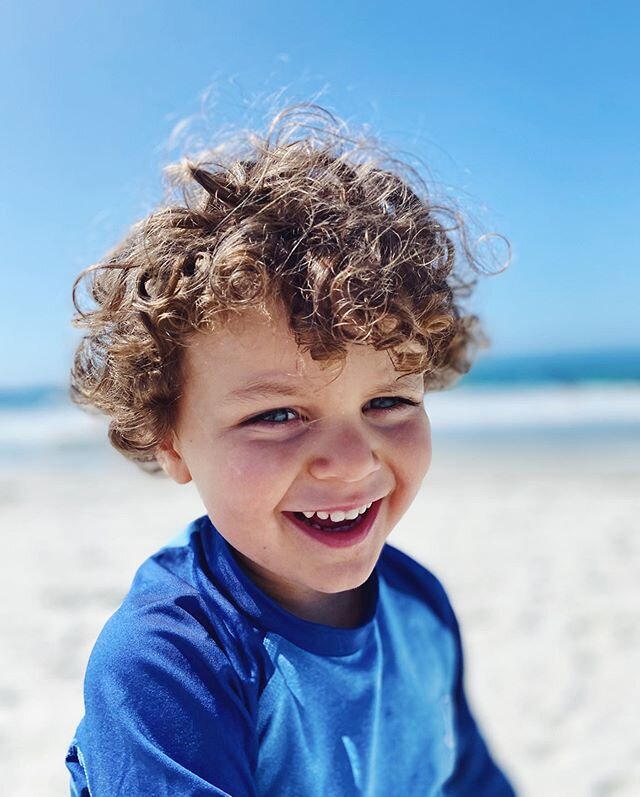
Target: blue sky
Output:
[(528, 113)]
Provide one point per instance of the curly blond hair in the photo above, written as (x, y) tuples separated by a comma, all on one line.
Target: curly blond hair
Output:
[(341, 234)]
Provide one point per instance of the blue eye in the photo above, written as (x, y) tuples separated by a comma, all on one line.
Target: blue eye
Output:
[(269, 417), (278, 417), (399, 402)]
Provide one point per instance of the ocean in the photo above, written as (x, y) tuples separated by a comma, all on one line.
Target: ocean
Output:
[(568, 396)]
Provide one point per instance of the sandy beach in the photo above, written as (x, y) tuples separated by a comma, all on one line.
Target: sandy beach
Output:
[(536, 542)]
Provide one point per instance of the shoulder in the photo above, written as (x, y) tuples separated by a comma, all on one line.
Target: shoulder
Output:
[(171, 689), (403, 574), (169, 631)]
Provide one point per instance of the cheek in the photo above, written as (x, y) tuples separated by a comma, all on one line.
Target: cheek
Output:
[(259, 469), (412, 443)]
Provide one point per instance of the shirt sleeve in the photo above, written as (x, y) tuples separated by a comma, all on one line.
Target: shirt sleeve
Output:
[(166, 715), (475, 772)]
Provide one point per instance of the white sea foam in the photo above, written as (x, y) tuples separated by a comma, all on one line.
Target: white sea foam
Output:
[(535, 407), (56, 426)]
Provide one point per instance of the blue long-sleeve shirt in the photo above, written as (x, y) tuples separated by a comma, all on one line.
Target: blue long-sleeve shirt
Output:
[(201, 685)]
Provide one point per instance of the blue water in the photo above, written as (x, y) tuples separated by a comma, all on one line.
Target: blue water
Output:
[(13, 398), (570, 368)]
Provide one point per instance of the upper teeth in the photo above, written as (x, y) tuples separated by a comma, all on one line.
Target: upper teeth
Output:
[(339, 515)]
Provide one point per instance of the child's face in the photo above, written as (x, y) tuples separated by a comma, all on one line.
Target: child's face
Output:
[(325, 444)]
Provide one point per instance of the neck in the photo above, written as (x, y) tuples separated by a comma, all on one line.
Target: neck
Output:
[(337, 609), (340, 609)]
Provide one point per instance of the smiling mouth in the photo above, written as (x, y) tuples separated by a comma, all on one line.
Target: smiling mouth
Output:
[(330, 525), (341, 534)]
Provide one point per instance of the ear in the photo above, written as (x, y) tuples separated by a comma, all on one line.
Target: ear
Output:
[(171, 461)]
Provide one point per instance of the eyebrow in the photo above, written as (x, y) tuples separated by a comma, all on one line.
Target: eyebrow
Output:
[(267, 388)]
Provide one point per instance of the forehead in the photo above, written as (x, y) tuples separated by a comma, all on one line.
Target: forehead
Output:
[(256, 348)]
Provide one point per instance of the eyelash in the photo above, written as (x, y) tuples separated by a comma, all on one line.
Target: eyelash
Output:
[(259, 420)]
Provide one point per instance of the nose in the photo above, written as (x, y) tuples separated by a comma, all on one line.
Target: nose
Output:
[(344, 452)]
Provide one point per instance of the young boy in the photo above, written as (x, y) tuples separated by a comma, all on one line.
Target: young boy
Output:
[(271, 338)]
